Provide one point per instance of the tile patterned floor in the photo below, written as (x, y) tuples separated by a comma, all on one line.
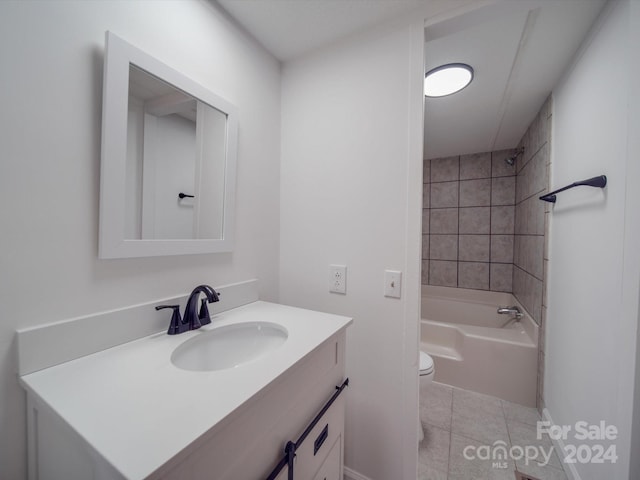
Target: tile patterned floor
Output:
[(457, 421)]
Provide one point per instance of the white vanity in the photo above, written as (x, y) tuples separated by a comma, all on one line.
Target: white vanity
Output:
[(128, 412), (111, 396)]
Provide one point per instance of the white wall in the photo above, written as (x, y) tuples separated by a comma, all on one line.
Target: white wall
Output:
[(595, 263), (351, 194), (51, 96), (633, 200)]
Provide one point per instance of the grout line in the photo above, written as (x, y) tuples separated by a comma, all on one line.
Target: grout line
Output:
[(458, 235), (530, 196), (490, 232), (450, 436), (533, 155), (428, 276)]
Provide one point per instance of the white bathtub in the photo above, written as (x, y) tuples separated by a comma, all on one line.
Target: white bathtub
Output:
[(471, 349)]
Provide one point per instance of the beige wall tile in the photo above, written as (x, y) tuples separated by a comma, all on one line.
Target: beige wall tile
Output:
[(533, 178), (476, 165), (475, 193), (424, 274), (425, 247), (473, 275), (530, 217), (502, 248), (474, 248), (528, 290), (501, 275), (502, 220), (426, 214), (444, 194), (526, 156), (443, 273), (528, 254), (444, 220), (426, 194), (492, 217), (475, 220), (500, 168), (426, 171), (503, 191), (443, 247), (445, 169), (546, 234)]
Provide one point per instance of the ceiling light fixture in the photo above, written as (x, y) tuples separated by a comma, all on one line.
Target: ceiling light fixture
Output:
[(447, 79)]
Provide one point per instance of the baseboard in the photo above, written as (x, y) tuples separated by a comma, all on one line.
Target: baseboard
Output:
[(569, 468), (353, 475)]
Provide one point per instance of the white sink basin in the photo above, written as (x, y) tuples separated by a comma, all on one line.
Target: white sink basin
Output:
[(228, 346)]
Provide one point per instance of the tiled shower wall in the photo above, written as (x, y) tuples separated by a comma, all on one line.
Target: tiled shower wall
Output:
[(484, 226), (530, 226), (530, 255), (468, 221)]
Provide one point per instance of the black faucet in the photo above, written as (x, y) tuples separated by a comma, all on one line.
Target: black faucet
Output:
[(192, 320), (196, 320)]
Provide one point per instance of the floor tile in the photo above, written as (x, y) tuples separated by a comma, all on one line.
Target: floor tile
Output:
[(433, 451), (428, 473), (478, 416), (543, 473), (524, 435), (458, 421), (520, 413), (464, 463), (435, 405)]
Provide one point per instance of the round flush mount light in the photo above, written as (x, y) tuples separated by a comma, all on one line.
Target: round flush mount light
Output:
[(447, 79)]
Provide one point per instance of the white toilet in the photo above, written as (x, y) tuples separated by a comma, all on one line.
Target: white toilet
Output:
[(426, 376)]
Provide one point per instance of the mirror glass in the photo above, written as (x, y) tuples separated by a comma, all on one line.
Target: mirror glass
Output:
[(167, 180), (173, 142)]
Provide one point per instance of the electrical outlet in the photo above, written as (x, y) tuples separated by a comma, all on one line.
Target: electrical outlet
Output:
[(338, 279)]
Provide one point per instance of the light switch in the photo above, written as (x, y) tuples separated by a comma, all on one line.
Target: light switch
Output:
[(392, 283)]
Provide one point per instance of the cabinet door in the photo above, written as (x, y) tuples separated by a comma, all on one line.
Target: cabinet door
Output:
[(330, 469), (324, 436)]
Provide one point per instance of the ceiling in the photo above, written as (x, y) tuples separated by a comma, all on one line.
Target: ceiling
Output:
[(518, 49), (291, 28), (518, 53)]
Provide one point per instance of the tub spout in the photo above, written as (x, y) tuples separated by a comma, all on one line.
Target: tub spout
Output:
[(515, 311)]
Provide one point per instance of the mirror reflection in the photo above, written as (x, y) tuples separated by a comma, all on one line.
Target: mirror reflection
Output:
[(175, 163)]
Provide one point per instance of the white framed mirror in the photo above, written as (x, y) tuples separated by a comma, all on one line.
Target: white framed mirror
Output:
[(168, 166)]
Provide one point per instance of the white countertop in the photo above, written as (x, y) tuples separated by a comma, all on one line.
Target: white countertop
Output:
[(138, 410)]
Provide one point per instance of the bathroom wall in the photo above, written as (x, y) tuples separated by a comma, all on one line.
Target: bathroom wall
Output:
[(468, 221), (594, 273), (531, 255), (532, 180), (633, 237), (351, 191), (52, 54)]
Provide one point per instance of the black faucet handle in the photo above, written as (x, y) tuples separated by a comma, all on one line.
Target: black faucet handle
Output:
[(212, 295), (176, 326), (203, 316)]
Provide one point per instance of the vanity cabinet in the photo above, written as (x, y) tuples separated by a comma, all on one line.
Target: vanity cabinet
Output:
[(331, 468), (252, 444), (246, 444)]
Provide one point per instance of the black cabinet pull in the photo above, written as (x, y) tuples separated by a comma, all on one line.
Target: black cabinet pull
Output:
[(291, 447), (320, 440)]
